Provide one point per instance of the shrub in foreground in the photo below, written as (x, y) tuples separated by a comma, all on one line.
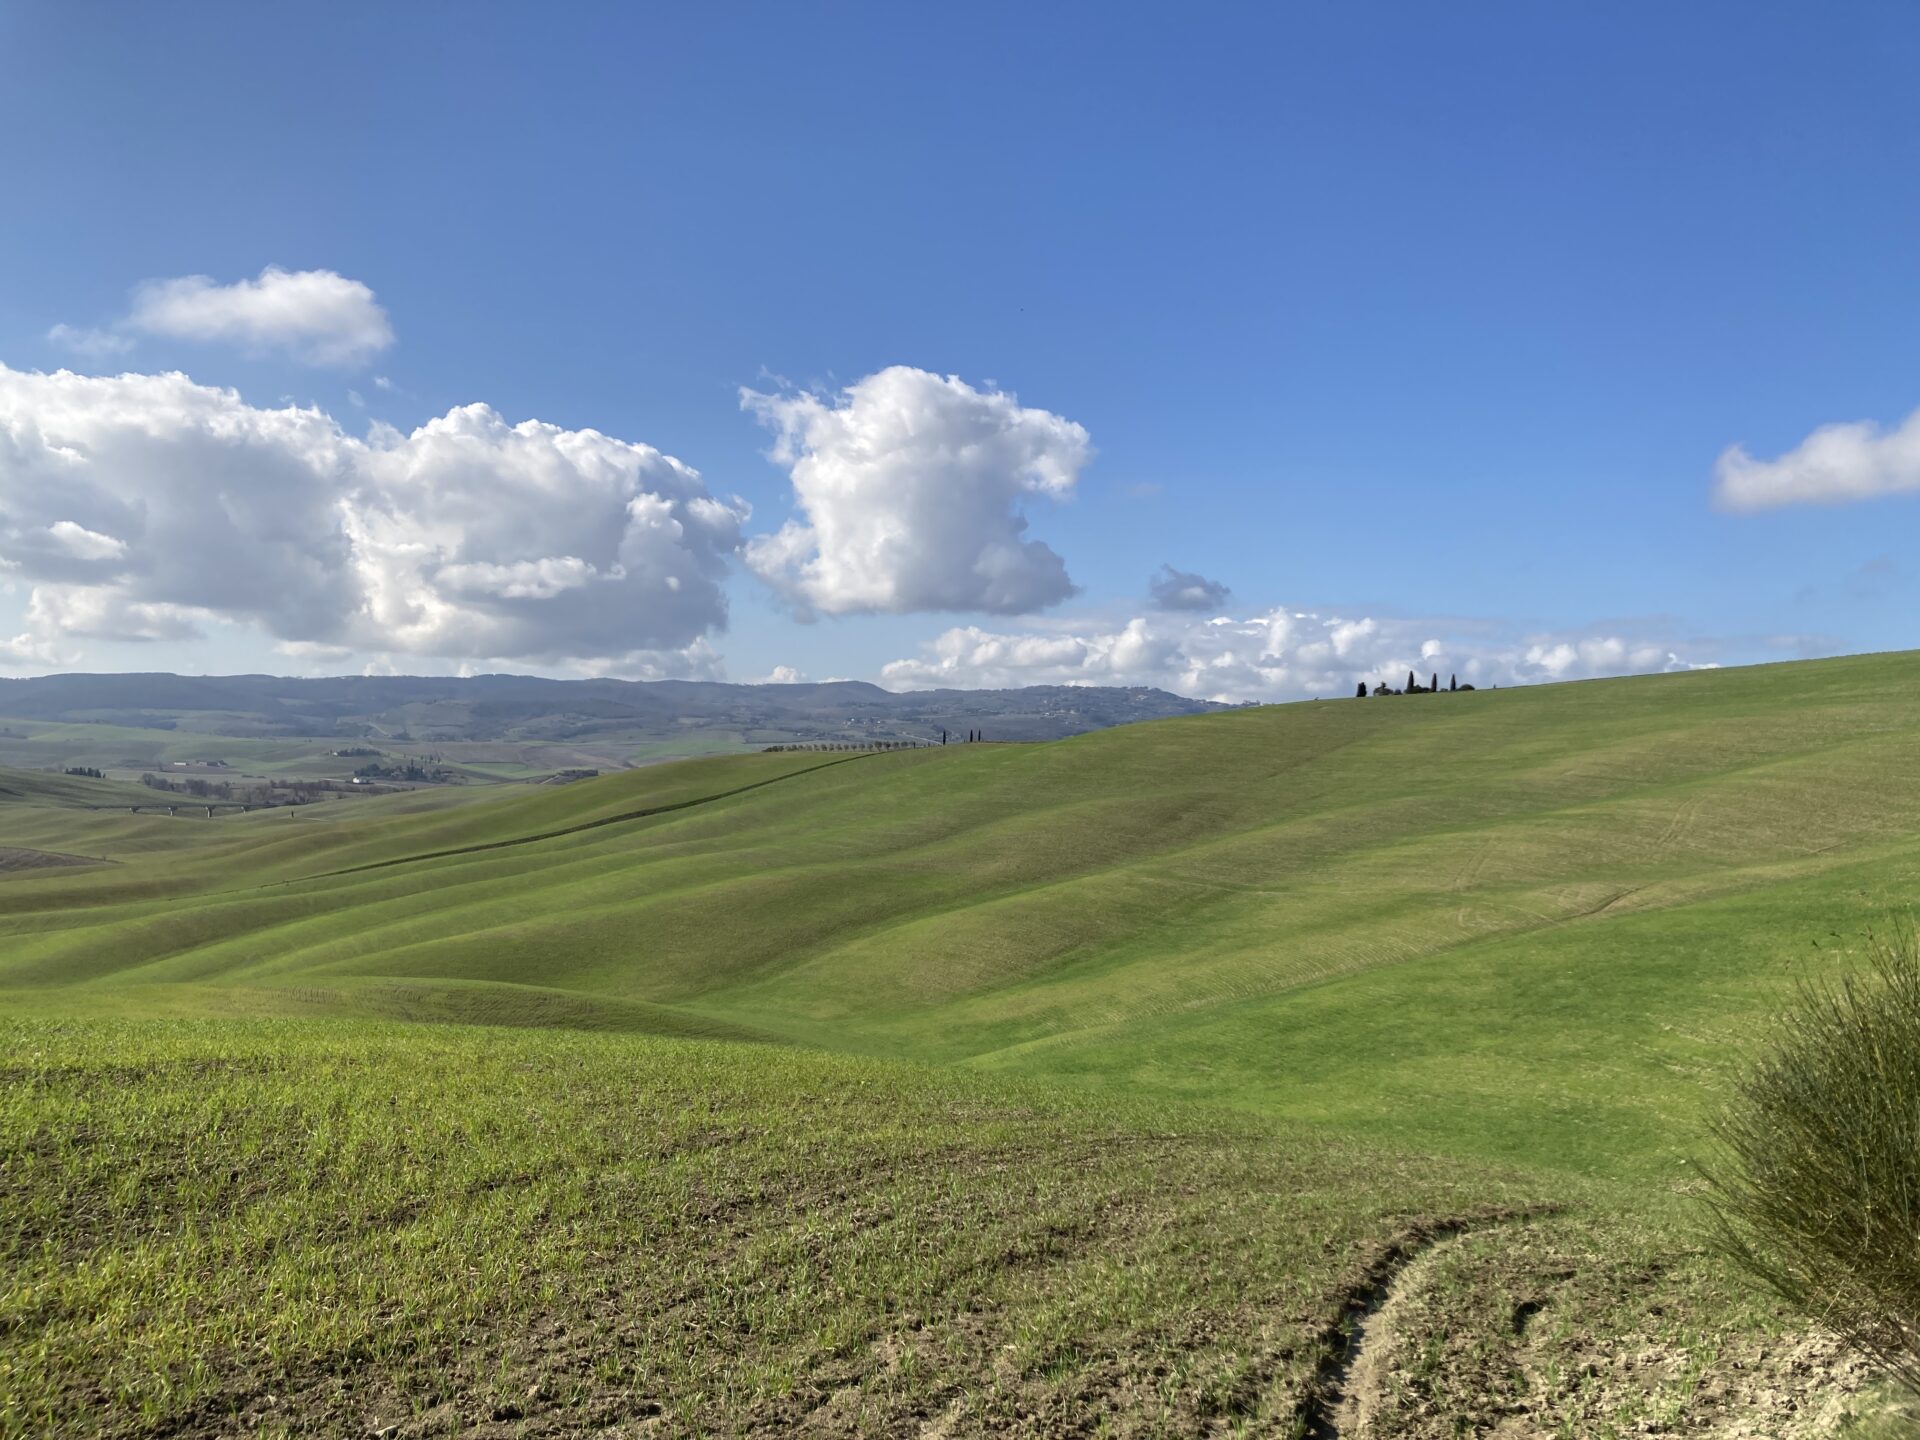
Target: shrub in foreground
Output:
[(1818, 1192)]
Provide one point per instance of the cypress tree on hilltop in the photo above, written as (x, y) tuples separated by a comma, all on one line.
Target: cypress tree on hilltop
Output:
[(1360, 691)]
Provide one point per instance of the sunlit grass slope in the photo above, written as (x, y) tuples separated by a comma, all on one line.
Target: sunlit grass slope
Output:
[(1322, 982), (331, 1229), (1518, 923)]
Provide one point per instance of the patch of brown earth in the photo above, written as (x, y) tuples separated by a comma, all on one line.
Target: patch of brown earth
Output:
[(1526, 1333)]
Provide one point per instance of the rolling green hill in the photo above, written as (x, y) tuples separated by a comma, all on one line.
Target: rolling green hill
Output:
[(1520, 934), (1600, 883)]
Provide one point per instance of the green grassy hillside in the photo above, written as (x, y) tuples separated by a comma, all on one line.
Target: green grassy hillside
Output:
[(1470, 952), (1593, 886), (44, 789)]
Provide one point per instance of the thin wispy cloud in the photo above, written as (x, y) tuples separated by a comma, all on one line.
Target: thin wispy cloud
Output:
[(91, 344)]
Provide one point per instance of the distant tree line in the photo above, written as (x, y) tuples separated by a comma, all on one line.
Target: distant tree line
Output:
[(264, 793), (413, 770), (845, 745), (972, 737), (1414, 687), (86, 770)]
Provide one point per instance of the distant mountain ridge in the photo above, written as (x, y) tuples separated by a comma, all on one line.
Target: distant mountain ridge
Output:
[(526, 707)]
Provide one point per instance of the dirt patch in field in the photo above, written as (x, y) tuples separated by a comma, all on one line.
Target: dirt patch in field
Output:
[(1532, 1331)]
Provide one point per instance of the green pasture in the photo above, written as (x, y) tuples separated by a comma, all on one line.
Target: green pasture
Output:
[(130, 750), (1446, 954), (1300, 910)]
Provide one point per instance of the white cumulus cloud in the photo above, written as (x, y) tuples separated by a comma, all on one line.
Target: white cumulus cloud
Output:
[(473, 537), (216, 507), (910, 487), (1853, 461), (1279, 655), (144, 507), (317, 316)]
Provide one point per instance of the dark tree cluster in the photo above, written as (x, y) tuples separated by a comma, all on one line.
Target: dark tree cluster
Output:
[(1414, 687), (972, 736), (85, 770), (410, 769)]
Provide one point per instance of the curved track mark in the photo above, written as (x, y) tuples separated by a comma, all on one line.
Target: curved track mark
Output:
[(1330, 1408)]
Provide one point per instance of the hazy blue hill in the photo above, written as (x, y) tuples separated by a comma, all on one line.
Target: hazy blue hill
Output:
[(492, 707)]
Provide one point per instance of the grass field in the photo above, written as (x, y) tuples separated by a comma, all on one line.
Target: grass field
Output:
[(1093, 1087), (127, 751)]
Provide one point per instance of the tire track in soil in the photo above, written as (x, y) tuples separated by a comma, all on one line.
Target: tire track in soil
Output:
[(1333, 1404)]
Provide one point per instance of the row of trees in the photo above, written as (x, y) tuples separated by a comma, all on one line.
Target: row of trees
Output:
[(262, 793), (1414, 687), (847, 745), (973, 736)]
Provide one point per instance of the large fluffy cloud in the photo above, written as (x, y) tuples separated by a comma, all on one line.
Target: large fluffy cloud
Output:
[(910, 486), (473, 537), (1855, 461), (191, 499), (144, 506), (1280, 655)]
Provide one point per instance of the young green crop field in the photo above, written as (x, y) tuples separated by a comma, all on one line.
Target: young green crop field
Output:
[(1104, 1086)]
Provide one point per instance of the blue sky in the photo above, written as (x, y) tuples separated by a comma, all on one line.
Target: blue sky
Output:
[(1423, 331)]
